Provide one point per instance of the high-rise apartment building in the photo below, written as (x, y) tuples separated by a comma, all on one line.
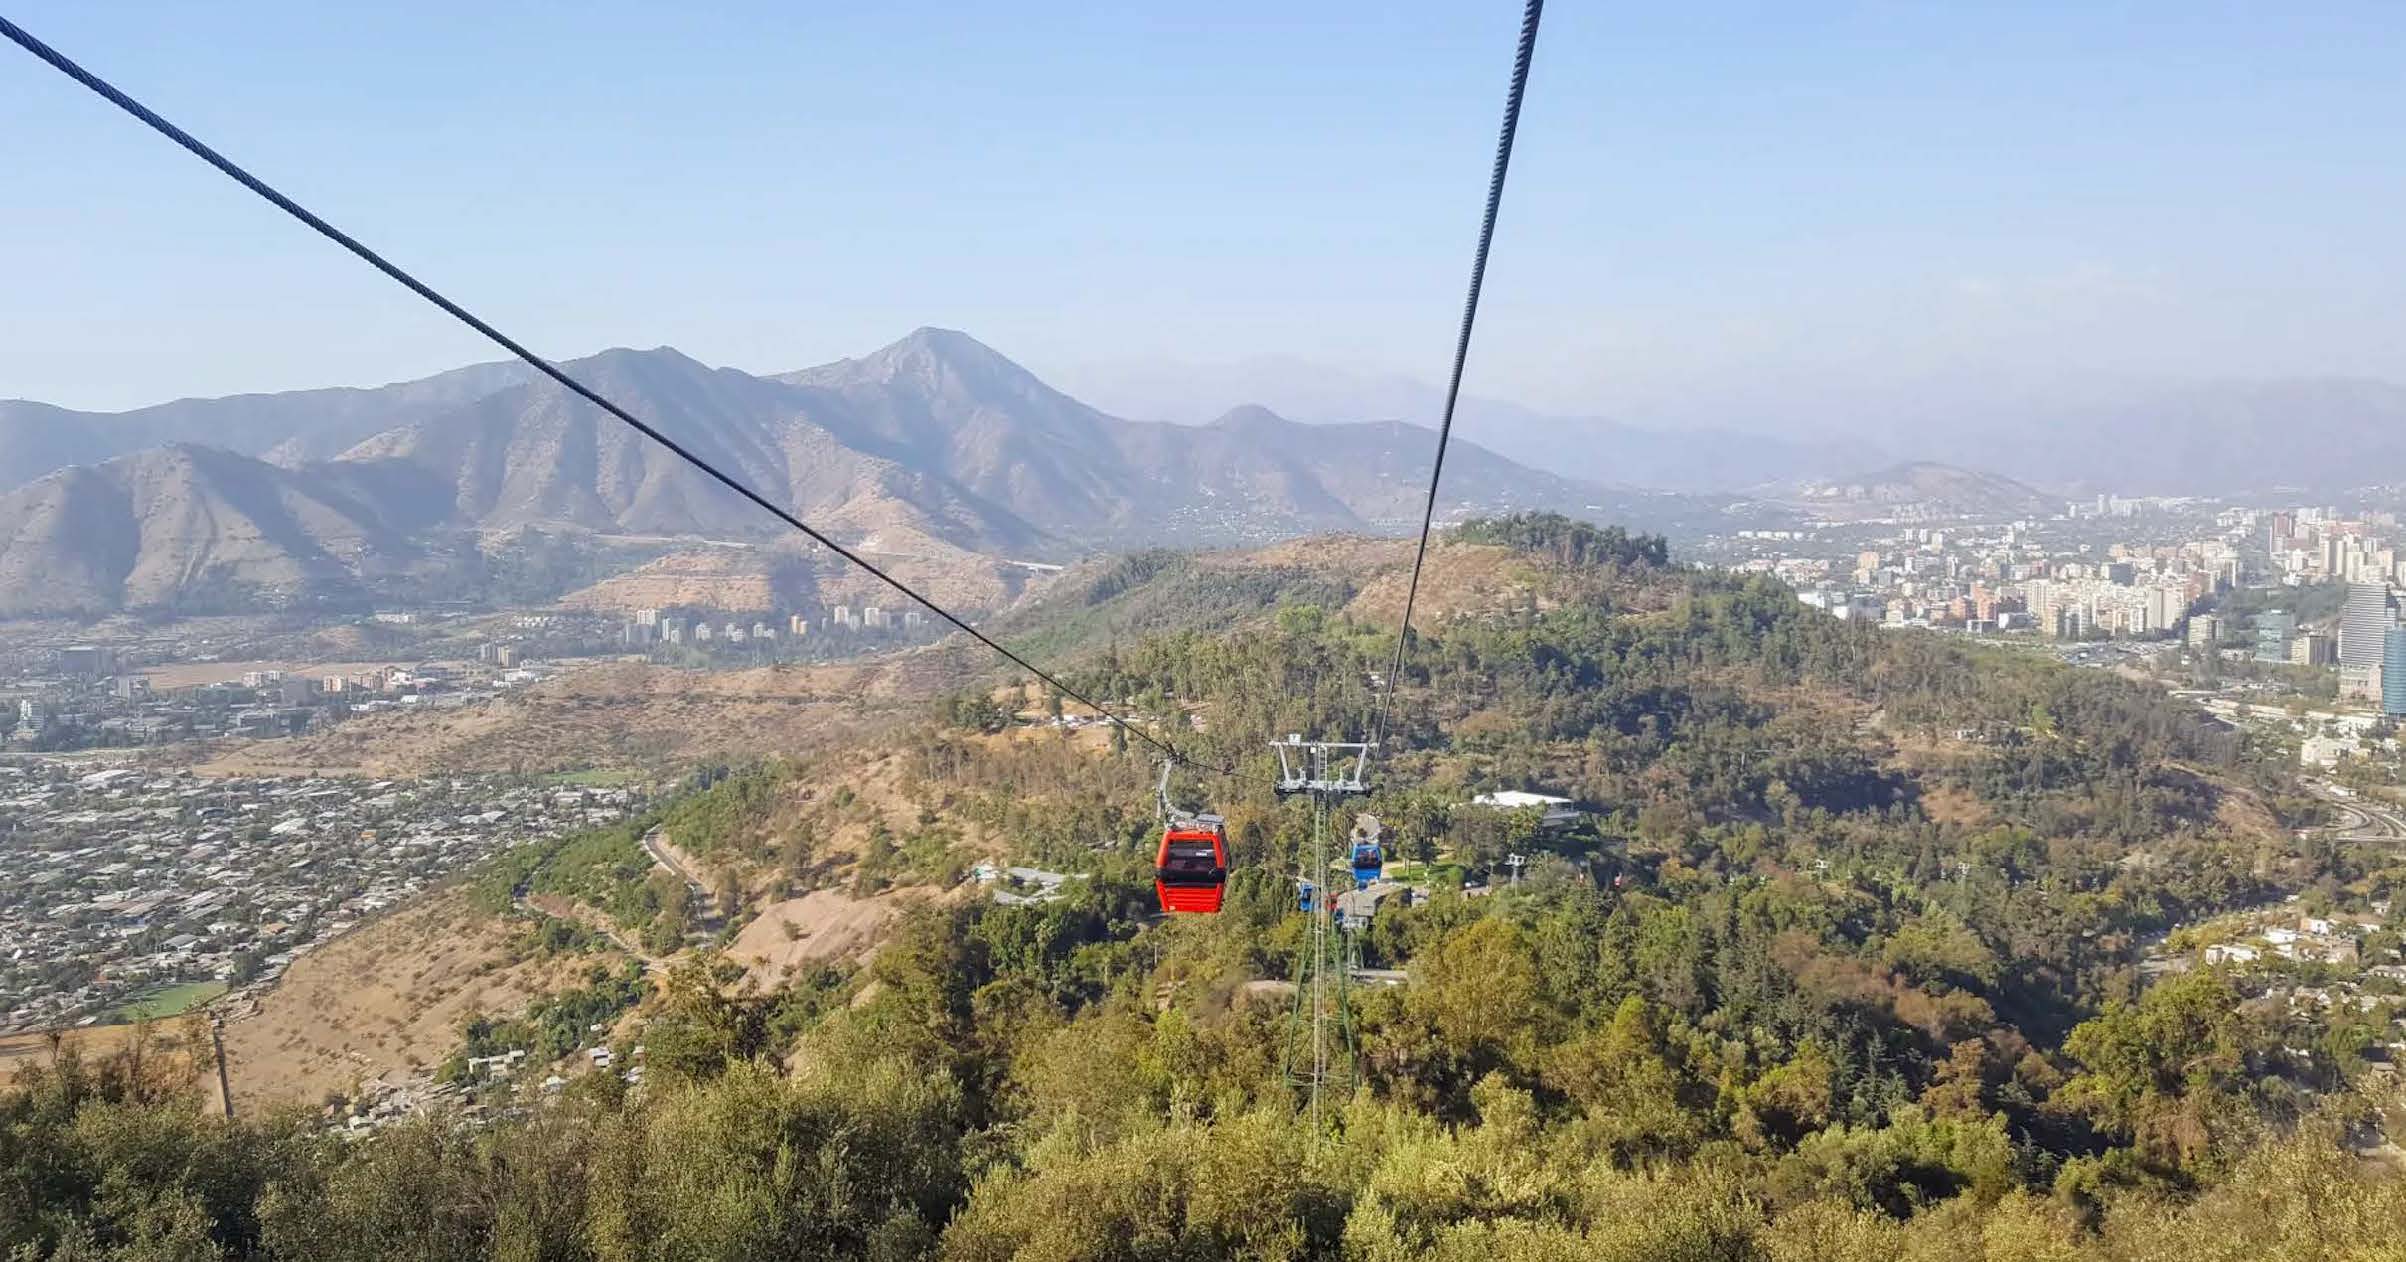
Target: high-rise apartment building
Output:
[(2364, 624), (2393, 671), (2275, 628)]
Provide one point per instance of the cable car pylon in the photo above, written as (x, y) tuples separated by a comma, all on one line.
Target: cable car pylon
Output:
[(1319, 1058)]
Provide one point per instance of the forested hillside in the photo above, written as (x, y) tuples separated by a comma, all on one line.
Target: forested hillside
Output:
[(1841, 964)]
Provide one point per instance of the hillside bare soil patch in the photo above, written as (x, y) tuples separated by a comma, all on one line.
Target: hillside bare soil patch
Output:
[(382, 1001), (820, 925)]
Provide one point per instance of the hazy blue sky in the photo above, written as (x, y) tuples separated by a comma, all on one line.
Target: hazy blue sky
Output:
[(1719, 211)]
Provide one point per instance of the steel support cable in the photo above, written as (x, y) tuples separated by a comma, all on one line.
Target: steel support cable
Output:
[(109, 92), (1470, 315)]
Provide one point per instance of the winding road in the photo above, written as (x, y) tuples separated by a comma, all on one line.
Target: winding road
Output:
[(2362, 818), (654, 844)]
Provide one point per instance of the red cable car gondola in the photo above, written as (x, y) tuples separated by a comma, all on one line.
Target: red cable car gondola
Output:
[(1190, 872)]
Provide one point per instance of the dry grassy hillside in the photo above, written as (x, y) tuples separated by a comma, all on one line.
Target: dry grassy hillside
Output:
[(383, 1000), (718, 578), (181, 1042), (801, 908), (820, 925), (389, 998), (739, 577), (1125, 598)]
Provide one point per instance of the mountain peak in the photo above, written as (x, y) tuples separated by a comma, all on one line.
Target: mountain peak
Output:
[(951, 349), (1249, 416), (631, 358), (945, 341), (929, 357)]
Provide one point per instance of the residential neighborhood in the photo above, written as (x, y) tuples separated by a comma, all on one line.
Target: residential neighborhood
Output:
[(131, 891), (2333, 981)]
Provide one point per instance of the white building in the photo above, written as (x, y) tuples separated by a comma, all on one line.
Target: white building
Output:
[(1559, 813)]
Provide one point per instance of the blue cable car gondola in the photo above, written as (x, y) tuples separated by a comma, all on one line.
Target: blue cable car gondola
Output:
[(1369, 860), (1369, 853)]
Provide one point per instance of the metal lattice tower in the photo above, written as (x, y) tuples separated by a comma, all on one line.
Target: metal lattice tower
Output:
[(1325, 769), (1320, 1057)]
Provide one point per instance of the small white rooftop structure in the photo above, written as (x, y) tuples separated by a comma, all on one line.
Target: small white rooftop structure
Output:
[(1047, 886), (1559, 812)]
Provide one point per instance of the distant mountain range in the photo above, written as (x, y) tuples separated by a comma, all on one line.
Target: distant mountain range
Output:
[(2308, 434), (934, 444), (938, 447), (2324, 434), (1593, 448)]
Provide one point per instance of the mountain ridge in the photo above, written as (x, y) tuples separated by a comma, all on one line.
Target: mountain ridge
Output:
[(1583, 446), (204, 528), (2309, 433), (288, 427), (933, 445)]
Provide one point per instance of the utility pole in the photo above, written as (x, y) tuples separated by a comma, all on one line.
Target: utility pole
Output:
[(1319, 1056), (225, 1084)]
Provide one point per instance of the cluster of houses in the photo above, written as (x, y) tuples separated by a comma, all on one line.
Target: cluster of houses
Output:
[(2351, 971), (124, 880), (2331, 939), (490, 1087)]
